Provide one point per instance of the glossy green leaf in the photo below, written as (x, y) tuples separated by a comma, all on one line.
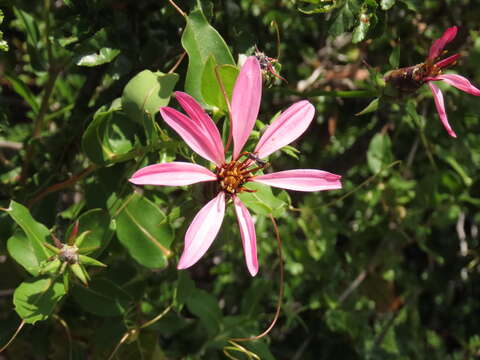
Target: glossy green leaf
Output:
[(200, 40), (145, 232), (379, 152), (262, 201), (387, 4), (317, 6), (394, 58), (36, 233), (102, 297), (361, 30), (204, 305), (21, 249), (211, 90), (103, 56), (101, 228), (110, 137), (146, 93), (343, 18), (35, 300)]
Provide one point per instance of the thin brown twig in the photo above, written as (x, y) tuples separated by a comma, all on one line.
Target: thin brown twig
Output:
[(280, 292), (180, 11), (177, 64), (13, 336), (62, 185)]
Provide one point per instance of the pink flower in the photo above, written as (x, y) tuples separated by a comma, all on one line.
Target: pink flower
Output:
[(200, 133), (435, 74)]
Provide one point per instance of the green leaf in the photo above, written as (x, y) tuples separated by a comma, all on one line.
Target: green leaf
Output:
[(145, 232), (36, 234), (23, 252), (204, 306), (418, 119), (373, 106), (387, 4), (211, 91), (30, 26), (262, 201), (3, 43), (35, 300), (110, 137), (102, 297), (146, 93), (186, 287), (101, 228), (343, 18), (360, 31), (200, 40), (394, 58), (103, 56), (318, 6), (379, 152), (24, 91)]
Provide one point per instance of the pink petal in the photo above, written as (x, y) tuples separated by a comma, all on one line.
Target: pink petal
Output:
[(459, 82), (193, 133), (172, 174), (196, 113), (249, 239), (448, 61), (245, 103), (202, 231), (439, 104), (439, 44), (301, 180), (286, 128)]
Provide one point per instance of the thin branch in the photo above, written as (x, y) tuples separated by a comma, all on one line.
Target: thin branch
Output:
[(179, 61), (280, 292), (2, 349), (62, 185), (180, 11), (13, 145)]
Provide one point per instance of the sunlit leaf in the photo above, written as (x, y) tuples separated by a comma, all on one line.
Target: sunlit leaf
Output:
[(35, 300), (103, 56), (145, 232), (146, 93), (201, 40)]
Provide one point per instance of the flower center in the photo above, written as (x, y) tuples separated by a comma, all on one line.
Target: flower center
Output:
[(233, 175)]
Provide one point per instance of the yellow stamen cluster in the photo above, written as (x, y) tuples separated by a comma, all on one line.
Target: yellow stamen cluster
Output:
[(233, 175)]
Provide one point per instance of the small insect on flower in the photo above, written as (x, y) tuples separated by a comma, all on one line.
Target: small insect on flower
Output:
[(234, 173), (268, 66), (409, 79)]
